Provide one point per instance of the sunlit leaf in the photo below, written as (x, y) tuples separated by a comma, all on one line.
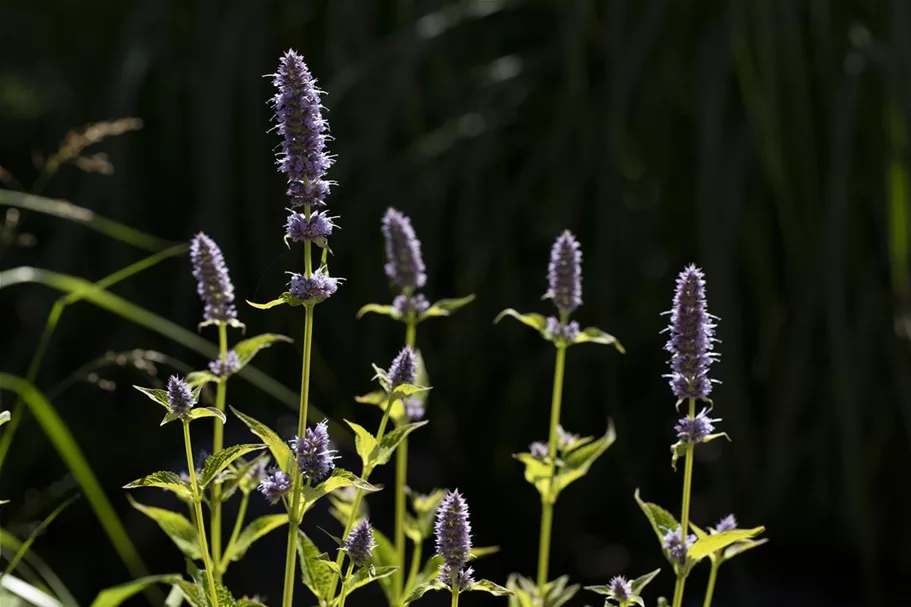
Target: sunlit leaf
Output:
[(317, 572), (201, 412), (249, 348), (597, 336), (164, 480), (252, 532), (445, 307), (389, 311), (217, 462), (175, 525), (281, 452), (384, 450), (661, 520), (337, 480), (156, 395), (719, 541), (489, 587), (535, 321), (364, 441), (422, 589), (365, 575), (116, 595), (576, 463)]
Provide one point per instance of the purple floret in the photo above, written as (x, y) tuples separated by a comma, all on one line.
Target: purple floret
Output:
[(275, 485), (673, 543), (406, 304)]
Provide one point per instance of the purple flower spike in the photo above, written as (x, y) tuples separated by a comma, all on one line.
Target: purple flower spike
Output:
[(728, 523), (317, 229), (564, 273), (298, 113), (180, 396), (360, 543), (621, 587), (275, 486), (563, 332), (692, 337), (674, 545), (404, 264), (318, 287), (453, 537), (405, 304), (212, 281), (226, 367), (695, 430), (403, 369), (314, 457)]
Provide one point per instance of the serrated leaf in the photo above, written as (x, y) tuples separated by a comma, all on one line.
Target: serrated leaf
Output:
[(660, 519), (384, 450), (201, 412), (252, 532), (316, 568), (535, 321), (638, 584), (363, 576), (719, 541), (164, 480), (378, 397), (422, 589), (248, 602), (175, 525), (597, 336), (445, 307), (337, 480), (489, 587), (389, 311), (116, 595), (364, 441), (200, 378), (576, 463), (249, 348), (217, 462), (170, 417), (156, 395), (281, 452)]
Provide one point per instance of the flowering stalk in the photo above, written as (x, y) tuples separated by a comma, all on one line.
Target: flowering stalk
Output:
[(710, 589), (401, 480), (343, 593), (197, 505), (547, 502), (238, 523), (217, 445), (685, 508)]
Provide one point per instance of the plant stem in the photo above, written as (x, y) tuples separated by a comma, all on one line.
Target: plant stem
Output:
[(200, 524), (401, 480), (455, 595), (218, 440), (547, 500), (238, 523), (294, 515), (710, 589), (685, 509), (415, 564), (342, 592)]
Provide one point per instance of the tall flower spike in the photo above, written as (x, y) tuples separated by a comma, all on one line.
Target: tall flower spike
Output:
[(304, 132), (180, 397), (564, 273), (453, 536), (360, 543), (314, 457), (212, 281), (404, 264), (403, 369), (692, 338)]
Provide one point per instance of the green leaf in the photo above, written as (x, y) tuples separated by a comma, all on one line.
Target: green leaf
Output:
[(316, 568), (158, 396), (364, 441), (384, 450), (284, 298), (175, 525), (537, 472), (384, 555), (577, 462), (201, 412), (281, 452), (217, 462), (712, 437), (431, 568), (389, 311), (116, 595), (719, 541), (740, 547), (406, 390), (255, 530), (365, 575), (490, 588), (337, 480), (164, 480), (678, 450), (420, 527), (445, 307), (31, 595), (600, 589), (661, 520), (422, 589), (640, 583), (597, 336), (200, 378), (535, 321), (249, 348), (4, 417), (24, 548)]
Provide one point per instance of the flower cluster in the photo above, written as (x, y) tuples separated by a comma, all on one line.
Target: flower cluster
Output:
[(275, 485), (226, 367), (404, 264), (728, 523), (403, 369), (675, 547), (313, 289), (360, 543), (564, 274), (415, 304), (621, 588), (692, 337), (696, 429), (559, 331), (317, 228), (180, 396), (212, 281), (314, 457), (453, 539)]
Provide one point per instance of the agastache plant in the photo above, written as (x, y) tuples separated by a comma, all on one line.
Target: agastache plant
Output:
[(564, 289), (691, 346), (407, 275), (358, 545)]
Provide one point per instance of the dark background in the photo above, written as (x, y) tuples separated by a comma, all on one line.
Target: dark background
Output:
[(765, 140)]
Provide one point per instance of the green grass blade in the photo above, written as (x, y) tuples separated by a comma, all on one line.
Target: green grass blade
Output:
[(30, 594), (86, 217), (34, 535), (47, 575), (71, 454)]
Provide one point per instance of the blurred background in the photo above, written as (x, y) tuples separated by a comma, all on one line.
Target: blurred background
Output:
[(765, 140)]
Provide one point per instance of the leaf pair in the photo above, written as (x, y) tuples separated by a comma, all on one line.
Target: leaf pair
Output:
[(538, 322), (374, 454), (525, 592), (443, 307), (636, 586), (161, 397), (437, 584)]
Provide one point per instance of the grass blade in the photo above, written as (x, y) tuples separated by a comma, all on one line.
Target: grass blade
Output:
[(47, 575), (34, 535)]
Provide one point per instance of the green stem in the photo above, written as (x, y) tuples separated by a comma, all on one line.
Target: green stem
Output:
[(238, 523), (455, 595), (294, 516), (401, 481), (710, 589), (218, 440), (200, 524), (343, 591), (415, 565), (685, 509), (548, 500)]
